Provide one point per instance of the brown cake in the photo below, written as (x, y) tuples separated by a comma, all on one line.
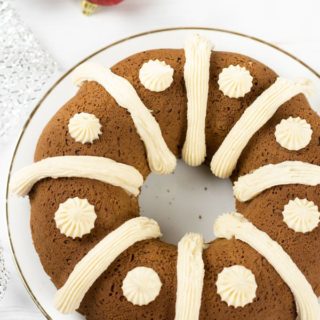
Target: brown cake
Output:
[(186, 283)]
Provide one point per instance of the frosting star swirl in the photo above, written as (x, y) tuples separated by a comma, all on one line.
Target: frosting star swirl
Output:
[(301, 215), (235, 81), (190, 275), (196, 76), (293, 133), (236, 286), (84, 127), (156, 75), (141, 286), (75, 217)]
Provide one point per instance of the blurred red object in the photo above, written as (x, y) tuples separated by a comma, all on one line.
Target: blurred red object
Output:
[(89, 6), (105, 2)]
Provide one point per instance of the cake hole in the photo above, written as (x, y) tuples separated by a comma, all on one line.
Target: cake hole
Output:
[(189, 200)]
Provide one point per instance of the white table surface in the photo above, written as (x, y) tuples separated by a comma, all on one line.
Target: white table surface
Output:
[(62, 29)]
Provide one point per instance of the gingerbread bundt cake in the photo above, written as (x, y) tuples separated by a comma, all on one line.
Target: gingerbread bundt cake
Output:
[(139, 116)]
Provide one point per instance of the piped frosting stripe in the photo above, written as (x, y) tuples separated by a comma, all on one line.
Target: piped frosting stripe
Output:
[(255, 116), (98, 168), (287, 172), (161, 159), (98, 259), (196, 76), (235, 225), (190, 274)]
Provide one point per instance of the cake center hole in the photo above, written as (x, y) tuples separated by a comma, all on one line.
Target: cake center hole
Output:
[(189, 200)]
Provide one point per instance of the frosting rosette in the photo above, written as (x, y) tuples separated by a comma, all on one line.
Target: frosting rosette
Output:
[(141, 286), (156, 75), (293, 133), (235, 81), (84, 127), (236, 286), (75, 217), (301, 215)]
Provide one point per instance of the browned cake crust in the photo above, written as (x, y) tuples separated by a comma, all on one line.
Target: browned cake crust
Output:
[(120, 141), (274, 299), (265, 210), (58, 253)]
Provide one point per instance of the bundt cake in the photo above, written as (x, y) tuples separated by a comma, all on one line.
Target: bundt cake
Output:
[(225, 109)]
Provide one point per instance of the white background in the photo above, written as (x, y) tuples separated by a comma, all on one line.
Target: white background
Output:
[(70, 36)]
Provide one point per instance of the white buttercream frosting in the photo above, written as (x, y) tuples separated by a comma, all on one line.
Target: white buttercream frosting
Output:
[(254, 117), (196, 76), (301, 215), (190, 275), (270, 175), (99, 258), (161, 159), (141, 286), (84, 127), (75, 217), (235, 81), (293, 133), (236, 286), (98, 168), (235, 225), (156, 75)]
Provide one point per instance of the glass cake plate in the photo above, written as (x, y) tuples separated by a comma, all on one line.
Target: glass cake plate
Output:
[(188, 200)]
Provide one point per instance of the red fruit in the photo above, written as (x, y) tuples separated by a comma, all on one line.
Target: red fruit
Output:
[(105, 2)]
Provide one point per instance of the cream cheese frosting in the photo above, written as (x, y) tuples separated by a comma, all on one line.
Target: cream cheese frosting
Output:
[(301, 215), (270, 175), (156, 75), (236, 286), (141, 286), (161, 159), (196, 76), (235, 225), (190, 275), (91, 167), (84, 127), (235, 81), (75, 217), (98, 259), (293, 133), (254, 117)]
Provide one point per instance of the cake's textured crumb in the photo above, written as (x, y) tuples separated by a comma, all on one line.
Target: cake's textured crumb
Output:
[(273, 300), (263, 147), (58, 253), (119, 139), (224, 112), (265, 212), (105, 299)]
